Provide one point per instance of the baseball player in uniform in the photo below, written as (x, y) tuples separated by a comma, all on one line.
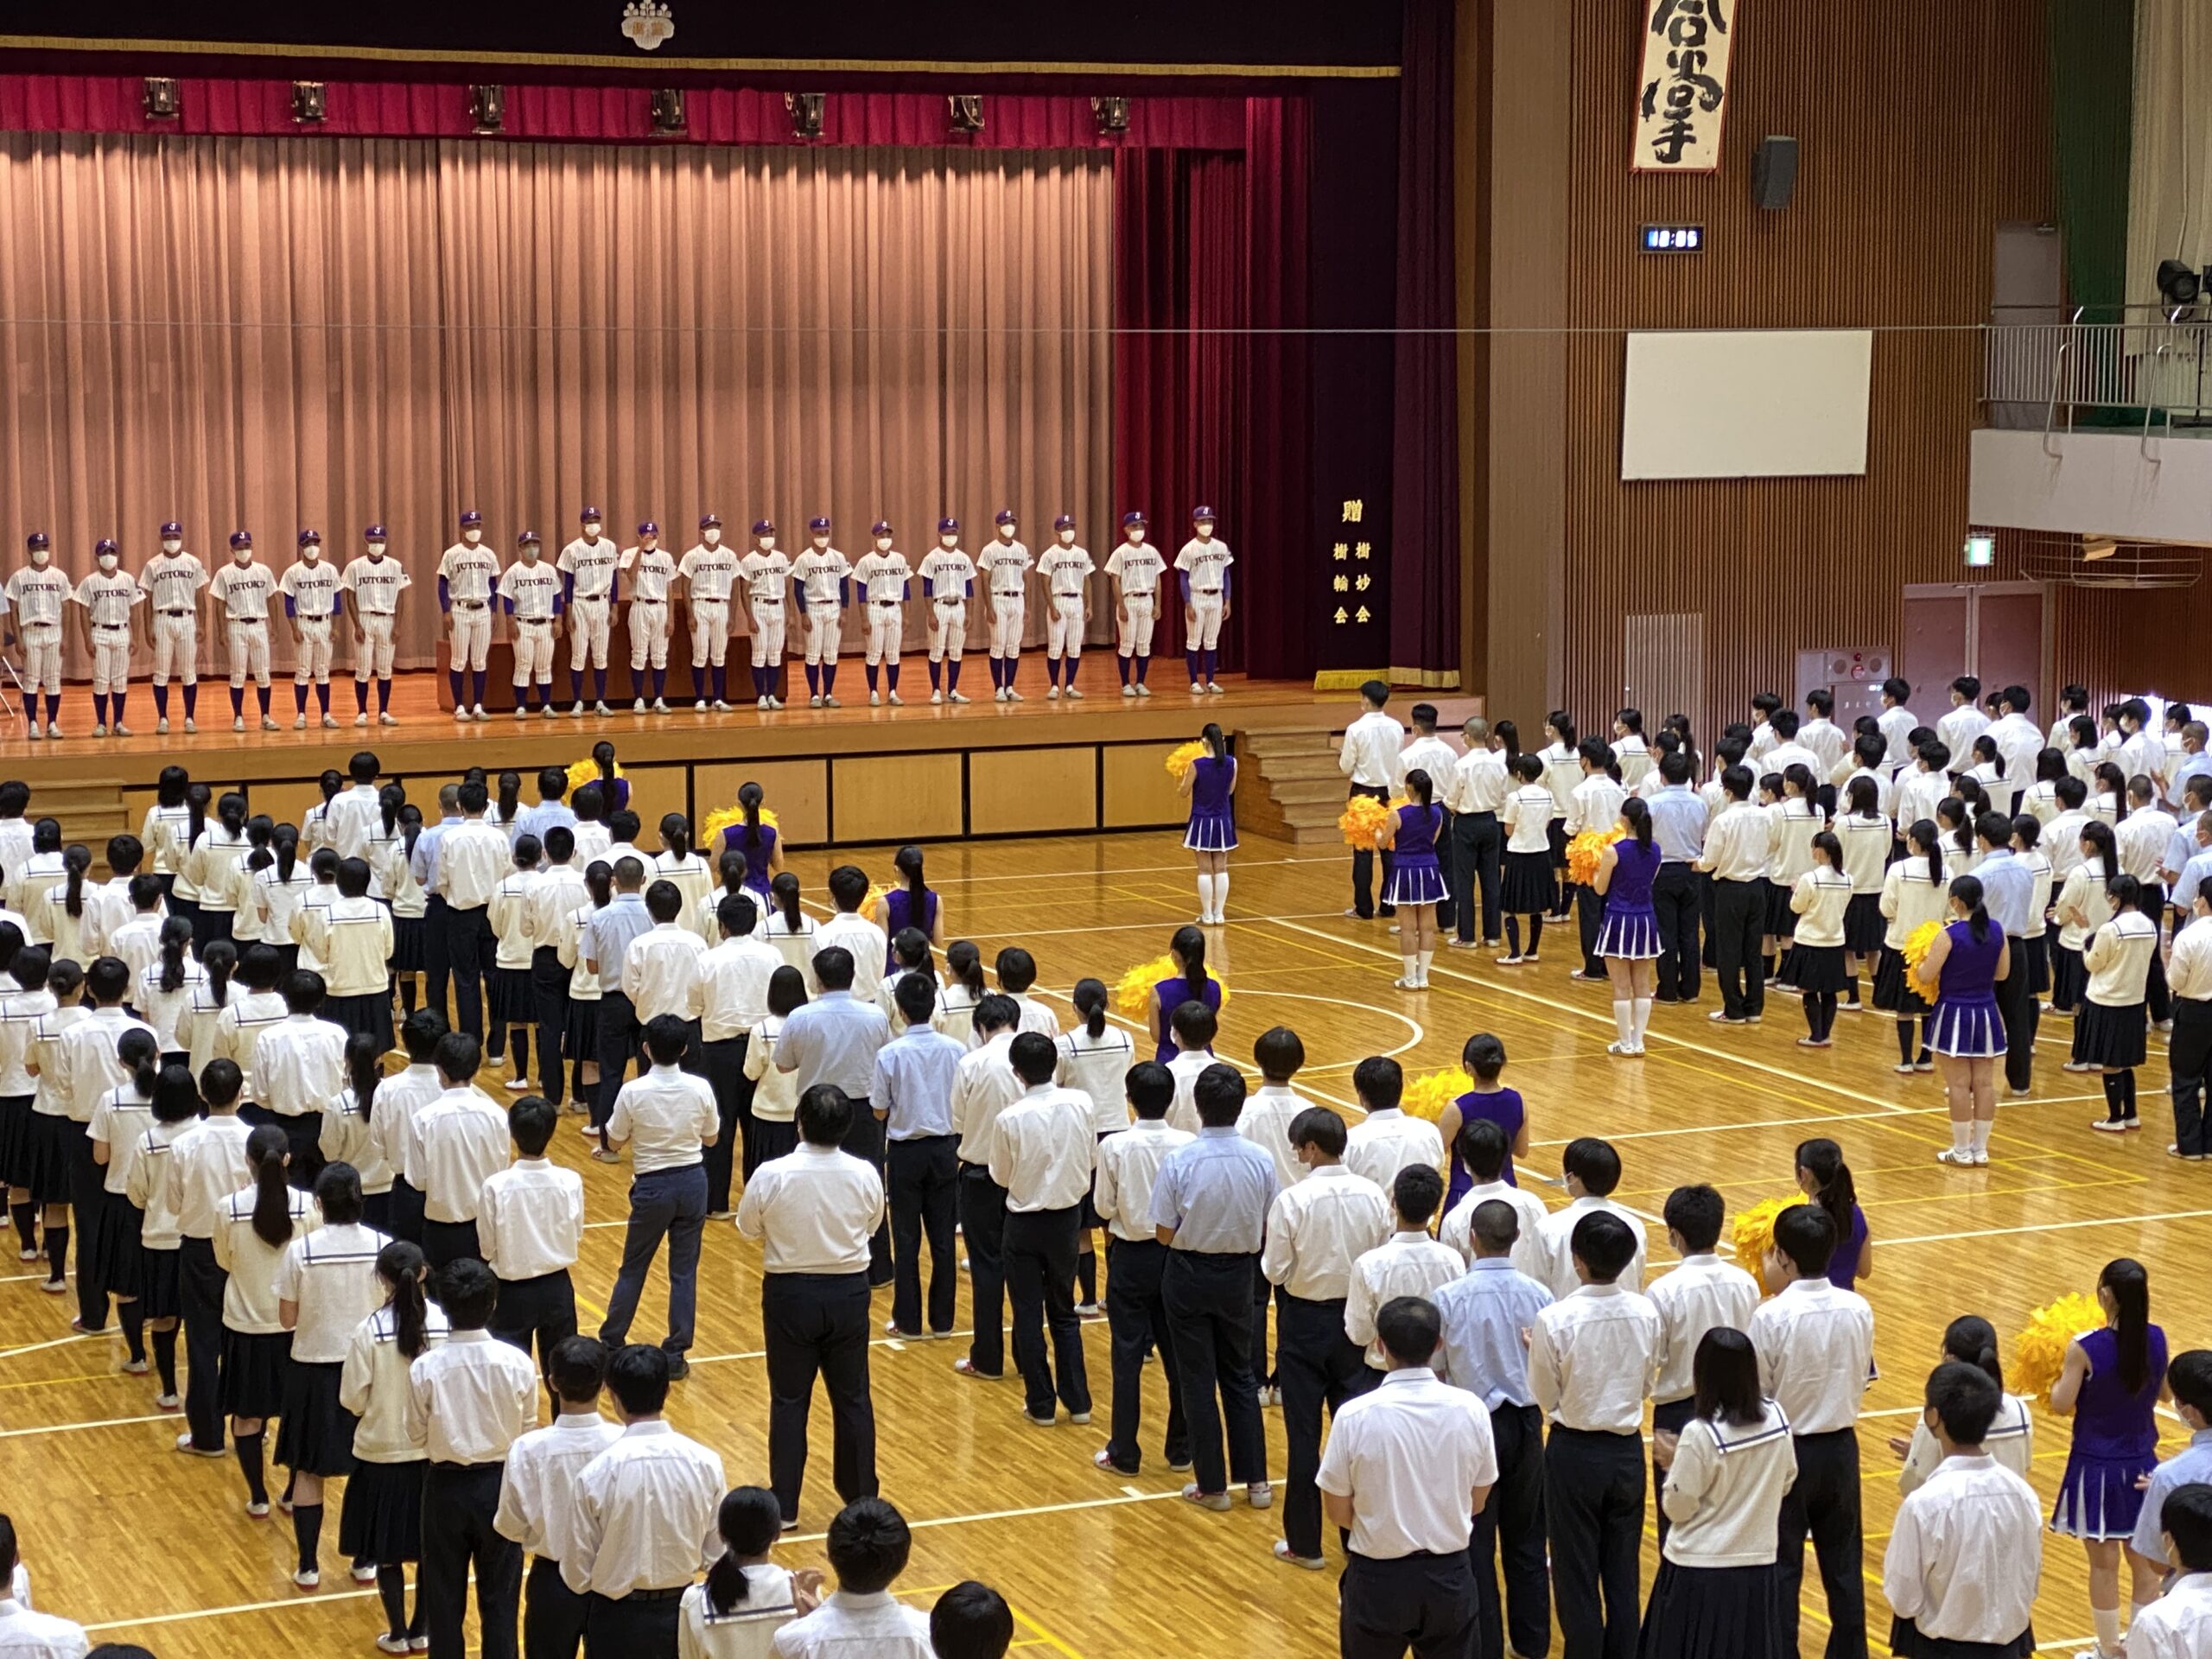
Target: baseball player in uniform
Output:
[(1005, 565), (1204, 565), (947, 583), (1136, 568), (709, 572), (469, 578), (588, 588), (530, 589), (1066, 569), (110, 601), (821, 578), (310, 590), (885, 581), (243, 590), (37, 595), (371, 585), (766, 574), (651, 568), (172, 580)]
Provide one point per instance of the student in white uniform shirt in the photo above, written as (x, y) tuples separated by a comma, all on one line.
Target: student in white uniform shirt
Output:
[(1971, 1340), (1816, 1353), (530, 1224), (887, 583), (537, 1498), (1193, 1026), (1476, 795), (651, 570), (709, 573), (1280, 1056), (1129, 1164), (1409, 1465), (1042, 1152), (1406, 1263), (1966, 1549), (172, 580), (25, 1633), (456, 1141), (299, 1063), (1318, 1228), (983, 1086), (470, 1399), (1818, 731), (912, 1094), (1066, 569), (849, 929), (1896, 723), (661, 966), (729, 1000), (1369, 761), (816, 1211), (1386, 1139), (1726, 1465), (151, 1190), (645, 1516), (668, 1116), (2178, 1626), (1136, 568), (746, 1599), (1631, 752), (1592, 1169), (253, 1228), (868, 1546), (1702, 1294), (207, 1163)]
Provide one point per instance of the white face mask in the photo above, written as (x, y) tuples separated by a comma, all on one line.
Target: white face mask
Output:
[(1067, 538), (107, 561), (312, 553), (1204, 533), (821, 541), (948, 543), (472, 536), (172, 545), (1006, 532), (529, 552), (711, 538), (1136, 534), (242, 555), (41, 556), (376, 549), (591, 532), (883, 544)]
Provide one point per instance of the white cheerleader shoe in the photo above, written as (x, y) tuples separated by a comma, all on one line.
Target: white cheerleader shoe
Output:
[(897, 702)]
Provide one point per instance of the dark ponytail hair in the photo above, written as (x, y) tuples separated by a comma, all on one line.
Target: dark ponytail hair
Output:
[(749, 797), (1421, 789), (965, 963), (217, 960), (231, 810), (141, 1057), (1972, 1340), (1637, 817), (2097, 835), (599, 881), (1191, 945), (2125, 892), (338, 1191), (364, 1070), (731, 869), (784, 890), (749, 1522), (288, 851), (1967, 890), (196, 796), (400, 1265), (1089, 999), (1865, 798), (272, 1196), (1826, 844), (1217, 745), (908, 863), (602, 756), (171, 786), (510, 796), (2130, 1296), (2110, 777), (75, 862), (1924, 835), (45, 836), (1509, 740), (389, 799), (1832, 1187), (676, 835)]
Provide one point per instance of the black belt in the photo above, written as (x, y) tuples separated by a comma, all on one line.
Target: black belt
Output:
[(176, 612), (110, 627), (245, 619), (640, 1594), (888, 604), (469, 604), (1205, 593)]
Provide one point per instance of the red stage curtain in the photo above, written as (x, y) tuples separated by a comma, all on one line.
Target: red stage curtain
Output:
[(1424, 586), (1281, 559), (713, 115)]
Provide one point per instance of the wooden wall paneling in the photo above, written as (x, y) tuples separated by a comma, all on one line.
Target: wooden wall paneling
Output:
[(798, 793), (897, 797), (1022, 791), (1139, 791), (654, 791)]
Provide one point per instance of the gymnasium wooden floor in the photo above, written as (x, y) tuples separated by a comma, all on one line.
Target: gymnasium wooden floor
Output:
[(149, 1547)]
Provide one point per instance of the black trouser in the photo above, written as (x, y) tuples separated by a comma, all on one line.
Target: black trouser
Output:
[(469, 948), (1477, 844), (2157, 999), (2189, 1056), (1363, 862), (1739, 934), (437, 970), (1670, 1416), (458, 1501), (2016, 1006), (864, 1140), (1675, 897), (1316, 1364), (200, 1285), (548, 994), (982, 1229), (1589, 916), (617, 1047), (446, 1242), (1421, 1601), (816, 1324), (1209, 1298), (1040, 1251), (924, 1180), (640, 1625), (1512, 1526), (407, 1220), (721, 1062), (543, 1307), (1446, 913), (87, 1197), (1593, 1510), (1137, 1315), (553, 1615), (1823, 1502)]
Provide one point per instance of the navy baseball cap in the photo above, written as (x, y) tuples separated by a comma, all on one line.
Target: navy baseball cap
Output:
[(1005, 515), (103, 545), (948, 526), (37, 539), (472, 517), (764, 526), (1065, 521), (238, 538), (881, 527), (374, 533), (649, 528), (1198, 514), (1128, 519), (308, 536), (527, 539), (172, 528), (589, 516), (817, 524), (710, 523)]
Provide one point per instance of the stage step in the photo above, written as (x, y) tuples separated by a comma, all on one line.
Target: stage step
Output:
[(87, 812), (1299, 790)]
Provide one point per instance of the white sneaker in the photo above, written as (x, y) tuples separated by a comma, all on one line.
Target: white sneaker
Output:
[(897, 702), (601, 709), (814, 702), (122, 730), (1052, 694), (1077, 695), (35, 733), (721, 708), (1953, 1155), (330, 723), (547, 713), (829, 702), (161, 726), (1196, 690), (1013, 695), (100, 731), (959, 697), (937, 696), (309, 1580), (269, 723), (1128, 690), (361, 719), (660, 705), (300, 724), (1143, 690), (190, 725), (637, 707), (764, 702), (577, 713), (385, 717), (238, 724), (875, 699), (521, 713), (775, 702), (1212, 689)]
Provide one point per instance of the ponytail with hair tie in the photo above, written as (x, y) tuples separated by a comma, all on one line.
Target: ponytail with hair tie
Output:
[(1089, 999)]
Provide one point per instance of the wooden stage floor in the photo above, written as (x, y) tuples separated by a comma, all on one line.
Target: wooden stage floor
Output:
[(152, 1547)]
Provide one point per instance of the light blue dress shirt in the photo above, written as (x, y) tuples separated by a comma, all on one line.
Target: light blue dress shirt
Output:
[(537, 820), (2190, 1465), (608, 933), (2193, 875), (2008, 891), (1677, 823), (835, 1038), (423, 866), (1215, 1194), (1484, 1311), (914, 1084)]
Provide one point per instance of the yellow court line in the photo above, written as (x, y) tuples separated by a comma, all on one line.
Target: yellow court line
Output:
[(1043, 1638)]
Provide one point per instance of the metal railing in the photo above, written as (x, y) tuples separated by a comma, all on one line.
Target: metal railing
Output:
[(2157, 366)]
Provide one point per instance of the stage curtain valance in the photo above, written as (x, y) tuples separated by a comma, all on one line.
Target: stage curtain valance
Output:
[(247, 332)]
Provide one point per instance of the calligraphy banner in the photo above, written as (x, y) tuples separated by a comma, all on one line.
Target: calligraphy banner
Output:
[(1683, 93)]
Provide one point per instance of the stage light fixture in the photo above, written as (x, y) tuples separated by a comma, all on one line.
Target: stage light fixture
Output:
[(1112, 113), (964, 110), (161, 100), (806, 110), (2178, 283), (307, 100), (668, 109), (487, 107)]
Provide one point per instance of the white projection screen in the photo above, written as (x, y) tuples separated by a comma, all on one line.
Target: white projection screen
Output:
[(1751, 404)]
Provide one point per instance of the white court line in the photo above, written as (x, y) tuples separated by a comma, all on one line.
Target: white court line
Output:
[(104, 1423), (58, 1342), (2047, 1227)]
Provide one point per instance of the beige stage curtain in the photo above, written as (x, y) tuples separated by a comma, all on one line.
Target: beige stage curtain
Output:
[(2170, 163), (275, 334)]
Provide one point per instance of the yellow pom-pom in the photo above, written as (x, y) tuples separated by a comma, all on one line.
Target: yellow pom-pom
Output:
[(1753, 1233), (585, 771), (2039, 1350), (1182, 758), (1426, 1096), (1133, 991), (874, 897), (1917, 945), (1584, 851), (724, 818), (1361, 821)]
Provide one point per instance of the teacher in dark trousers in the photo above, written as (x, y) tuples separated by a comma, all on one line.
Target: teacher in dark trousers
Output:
[(1476, 794), (2189, 975), (1408, 1465), (1678, 826), (2008, 888)]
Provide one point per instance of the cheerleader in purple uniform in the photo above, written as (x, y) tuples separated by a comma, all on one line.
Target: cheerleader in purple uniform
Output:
[(764, 859), (1191, 983), (1965, 1030), (914, 906), (1416, 878), (1211, 782), (614, 791), (2112, 1384), (1628, 939)]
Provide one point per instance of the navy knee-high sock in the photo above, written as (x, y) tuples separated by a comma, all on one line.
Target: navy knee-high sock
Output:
[(165, 1360), (306, 1533), (237, 703), (251, 1464), (57, 1253)]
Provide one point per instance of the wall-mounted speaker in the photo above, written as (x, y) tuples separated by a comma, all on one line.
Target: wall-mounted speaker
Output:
[(1774, 173)]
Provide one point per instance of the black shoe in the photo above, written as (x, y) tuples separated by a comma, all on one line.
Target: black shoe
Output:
[(678, 1368)]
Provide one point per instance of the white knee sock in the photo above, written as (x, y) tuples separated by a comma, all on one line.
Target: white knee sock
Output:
[(1413, 969), (1205, 894), (1220, 897), (1962, 1135), (1424, 959), (1624, 1019), (2106, 1619), (1980, 1137), (1639, 1019)]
